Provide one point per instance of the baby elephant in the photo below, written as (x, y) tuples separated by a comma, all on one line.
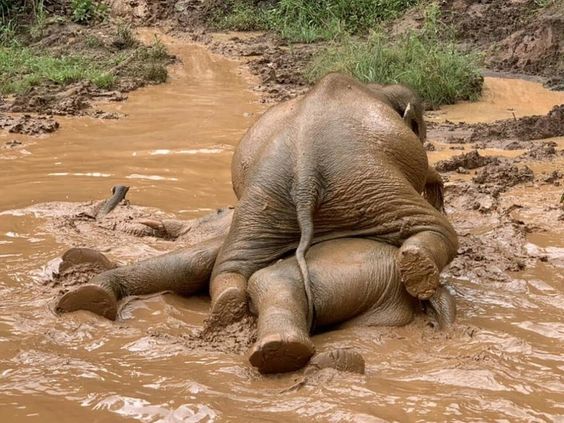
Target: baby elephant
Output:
[(355, 281)]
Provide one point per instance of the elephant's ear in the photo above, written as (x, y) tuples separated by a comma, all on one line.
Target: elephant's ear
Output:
[(410, 119), (434, 190)]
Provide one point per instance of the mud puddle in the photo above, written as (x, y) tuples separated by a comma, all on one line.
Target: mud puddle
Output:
[(502, 98), (501, 362)]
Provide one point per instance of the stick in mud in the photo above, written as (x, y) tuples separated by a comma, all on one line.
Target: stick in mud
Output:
[(119, 192)]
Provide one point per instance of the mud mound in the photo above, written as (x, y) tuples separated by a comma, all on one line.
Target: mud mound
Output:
[(27, 124), (523, 129), (498, 177), (278, 67), (489, 256), (542, 151), (74, 100), (471, 160)]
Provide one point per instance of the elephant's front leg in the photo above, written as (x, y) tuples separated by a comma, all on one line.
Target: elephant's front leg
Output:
[(278, 298), (184, 272)]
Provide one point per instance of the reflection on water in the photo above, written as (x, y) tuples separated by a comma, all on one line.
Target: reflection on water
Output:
[(502, 361)]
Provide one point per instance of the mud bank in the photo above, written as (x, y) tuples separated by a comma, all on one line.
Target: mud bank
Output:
[(122, 63), (174, 148)]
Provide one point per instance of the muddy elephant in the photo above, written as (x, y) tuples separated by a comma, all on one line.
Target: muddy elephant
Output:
[(338, 162), (354, 282)]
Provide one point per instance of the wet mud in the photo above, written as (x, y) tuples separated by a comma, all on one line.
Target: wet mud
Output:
[(500, 361)]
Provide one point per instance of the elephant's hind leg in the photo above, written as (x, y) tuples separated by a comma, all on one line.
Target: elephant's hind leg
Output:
[(184, 272), (87, 297), (421, 259), (283, 342)]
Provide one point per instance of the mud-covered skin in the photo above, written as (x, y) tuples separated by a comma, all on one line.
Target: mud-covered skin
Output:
[(338, 162), (355, 282), (118, 194)]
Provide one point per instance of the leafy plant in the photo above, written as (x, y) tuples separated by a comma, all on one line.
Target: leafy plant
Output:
[(86, 11)]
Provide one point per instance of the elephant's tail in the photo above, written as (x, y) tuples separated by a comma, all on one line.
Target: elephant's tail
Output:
[(305, 220), (307, 192)]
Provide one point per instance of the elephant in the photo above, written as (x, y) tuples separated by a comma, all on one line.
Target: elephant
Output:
[(355, 282), (340, 172), (345, 160)]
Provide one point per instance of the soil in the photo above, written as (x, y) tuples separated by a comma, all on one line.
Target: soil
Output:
[(99, 42), (517, 36), (27, 124)]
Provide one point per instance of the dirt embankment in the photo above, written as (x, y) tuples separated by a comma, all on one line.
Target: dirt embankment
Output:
[(516, 36)]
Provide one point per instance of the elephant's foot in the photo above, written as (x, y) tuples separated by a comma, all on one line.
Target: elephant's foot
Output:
[(76, 256), (228, 307), (229, 299), (418, 272), (344, 360), (277, 353), (89, 297), (442, 307)]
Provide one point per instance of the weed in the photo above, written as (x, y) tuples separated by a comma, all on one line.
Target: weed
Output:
[(86, 11), (22, 68), (104, 80), (154, 72), (242, 16), (434, 67), (125, 37), (543, 3), (157, 50), (92, 41)]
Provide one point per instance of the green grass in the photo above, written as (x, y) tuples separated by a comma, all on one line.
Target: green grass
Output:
[(306, 20), (22, 68), (241, 16), (432, 66), (87, 11)]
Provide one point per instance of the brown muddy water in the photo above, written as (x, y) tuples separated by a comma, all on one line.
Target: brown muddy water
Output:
[(503, 361)]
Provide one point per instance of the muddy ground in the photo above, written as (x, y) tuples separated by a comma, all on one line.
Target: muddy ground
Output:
[(504, 187)]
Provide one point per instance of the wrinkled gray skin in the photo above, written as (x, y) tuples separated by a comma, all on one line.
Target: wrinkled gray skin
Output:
[(355, 282), (341, 161)]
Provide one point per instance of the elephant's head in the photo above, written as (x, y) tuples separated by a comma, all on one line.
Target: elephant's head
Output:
[(407, 103)]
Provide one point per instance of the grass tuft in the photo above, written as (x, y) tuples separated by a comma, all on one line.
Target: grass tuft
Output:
[(435, 68), (88, 11), (125, 37), (154, 72)]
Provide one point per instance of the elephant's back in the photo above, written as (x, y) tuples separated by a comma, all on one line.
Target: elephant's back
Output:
[(346, 121), (262, 135)]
